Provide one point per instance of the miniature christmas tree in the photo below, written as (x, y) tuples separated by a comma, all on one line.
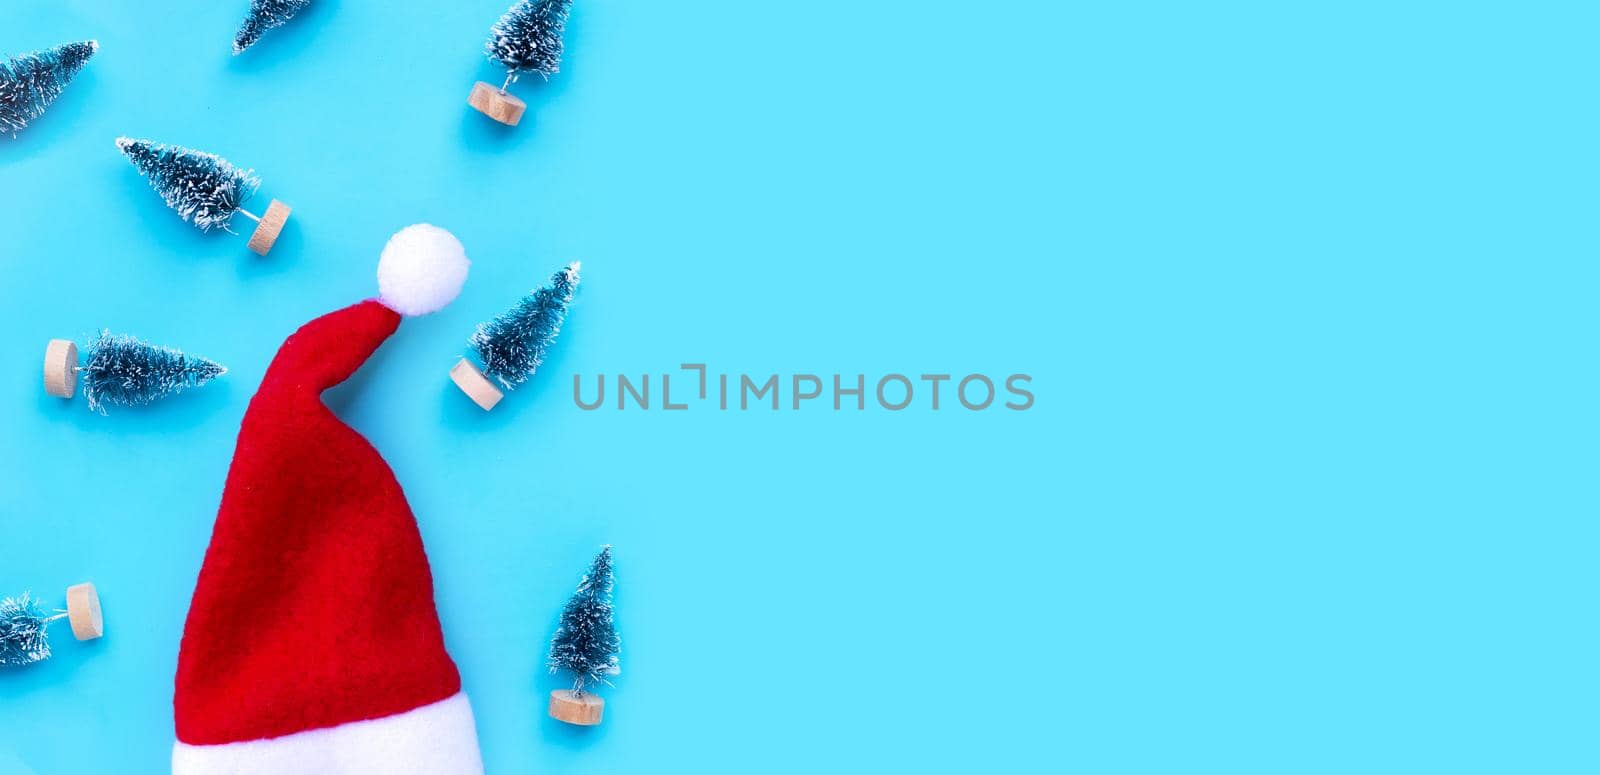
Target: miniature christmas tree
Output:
[(123, 371), (205, 189), (29, 83), (24, 626), (526, 39), (265, 15), (514, 344), (24, 638), (585, 645)]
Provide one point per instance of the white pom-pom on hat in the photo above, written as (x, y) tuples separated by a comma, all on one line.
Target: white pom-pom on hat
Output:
[(421, 270)]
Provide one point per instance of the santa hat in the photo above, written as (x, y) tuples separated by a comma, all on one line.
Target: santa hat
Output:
[(313, 644)]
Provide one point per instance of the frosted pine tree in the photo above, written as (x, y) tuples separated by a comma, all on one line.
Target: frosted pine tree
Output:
[(203, 187), (265, 15), (24, 636), (528, 38), (30, 82), (124, 371), (513, 345), (586, 643)]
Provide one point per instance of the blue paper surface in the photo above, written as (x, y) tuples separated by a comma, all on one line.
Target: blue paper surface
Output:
[(1305, 292)]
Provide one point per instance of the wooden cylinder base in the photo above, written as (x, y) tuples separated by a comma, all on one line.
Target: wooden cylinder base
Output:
[(496, 104), (83, 612), (271, 225), (584, 710), (61, 368), (475, 385)]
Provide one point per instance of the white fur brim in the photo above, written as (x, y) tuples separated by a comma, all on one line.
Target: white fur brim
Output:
[(436, 739)]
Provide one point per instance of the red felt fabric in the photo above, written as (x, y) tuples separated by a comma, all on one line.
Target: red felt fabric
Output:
[(314, 606)]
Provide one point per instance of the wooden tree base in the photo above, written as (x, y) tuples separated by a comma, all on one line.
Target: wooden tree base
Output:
[(496, 104), (83, 611), (269, 228), (583, 710), (475, 385), (61, 368)]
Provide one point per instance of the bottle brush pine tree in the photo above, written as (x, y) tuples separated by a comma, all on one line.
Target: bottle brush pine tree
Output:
[(24, 637), (585, 645), (123, 371), (265, 15), (30, 82), (514, 344), (25, 627), (526, 39), (204, 188)]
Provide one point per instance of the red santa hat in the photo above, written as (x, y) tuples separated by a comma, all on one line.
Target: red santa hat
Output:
[(313, 644)]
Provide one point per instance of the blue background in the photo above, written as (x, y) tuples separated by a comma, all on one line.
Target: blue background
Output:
[(1306, 290)]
